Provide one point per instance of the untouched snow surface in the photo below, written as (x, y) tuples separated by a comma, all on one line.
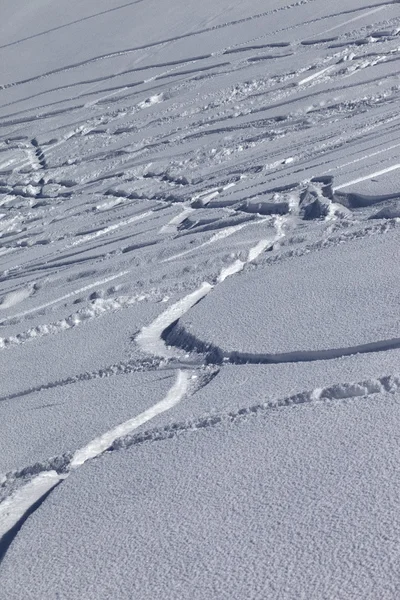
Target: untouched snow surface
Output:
[(199, 299)]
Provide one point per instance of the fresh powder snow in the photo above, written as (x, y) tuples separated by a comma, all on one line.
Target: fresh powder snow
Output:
[(199, 300)]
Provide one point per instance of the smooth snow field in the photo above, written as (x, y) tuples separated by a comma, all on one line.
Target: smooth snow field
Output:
[(199, 300)]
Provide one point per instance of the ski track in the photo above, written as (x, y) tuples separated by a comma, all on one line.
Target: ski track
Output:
[(14, 508), (102, 443), (110, 228), (150, 338), (95, 310), (369, 176), (221, 235), (172, 226), (337, 392), (19, 504), (203, 164), (357, 18), (163, 42), (81, 290)]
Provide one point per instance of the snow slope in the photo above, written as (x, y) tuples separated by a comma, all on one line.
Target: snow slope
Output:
[(323, 304), (295, 503), (184, 190)]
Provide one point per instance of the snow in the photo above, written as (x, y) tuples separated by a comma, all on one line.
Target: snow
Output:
[(199, 306), (149, 339), (69, 414), (322, 304), (301, 502), (14, 508), (241, 387), (99, 445)]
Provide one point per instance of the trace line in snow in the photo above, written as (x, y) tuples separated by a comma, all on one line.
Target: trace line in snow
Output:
[(150, 338), (315, 75), (254, 253), (21, 503), (155, 44), (366, 157), (18, 505), (370, 176), (172, 225), (65, 25), (239, 265), (69, 295), (334, 392), (95, 310), (92, 236), (221, 235), (357, 18), (105, 441)]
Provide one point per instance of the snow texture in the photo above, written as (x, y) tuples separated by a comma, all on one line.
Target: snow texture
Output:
[(199, 299), (298, 503), (332, 303)]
